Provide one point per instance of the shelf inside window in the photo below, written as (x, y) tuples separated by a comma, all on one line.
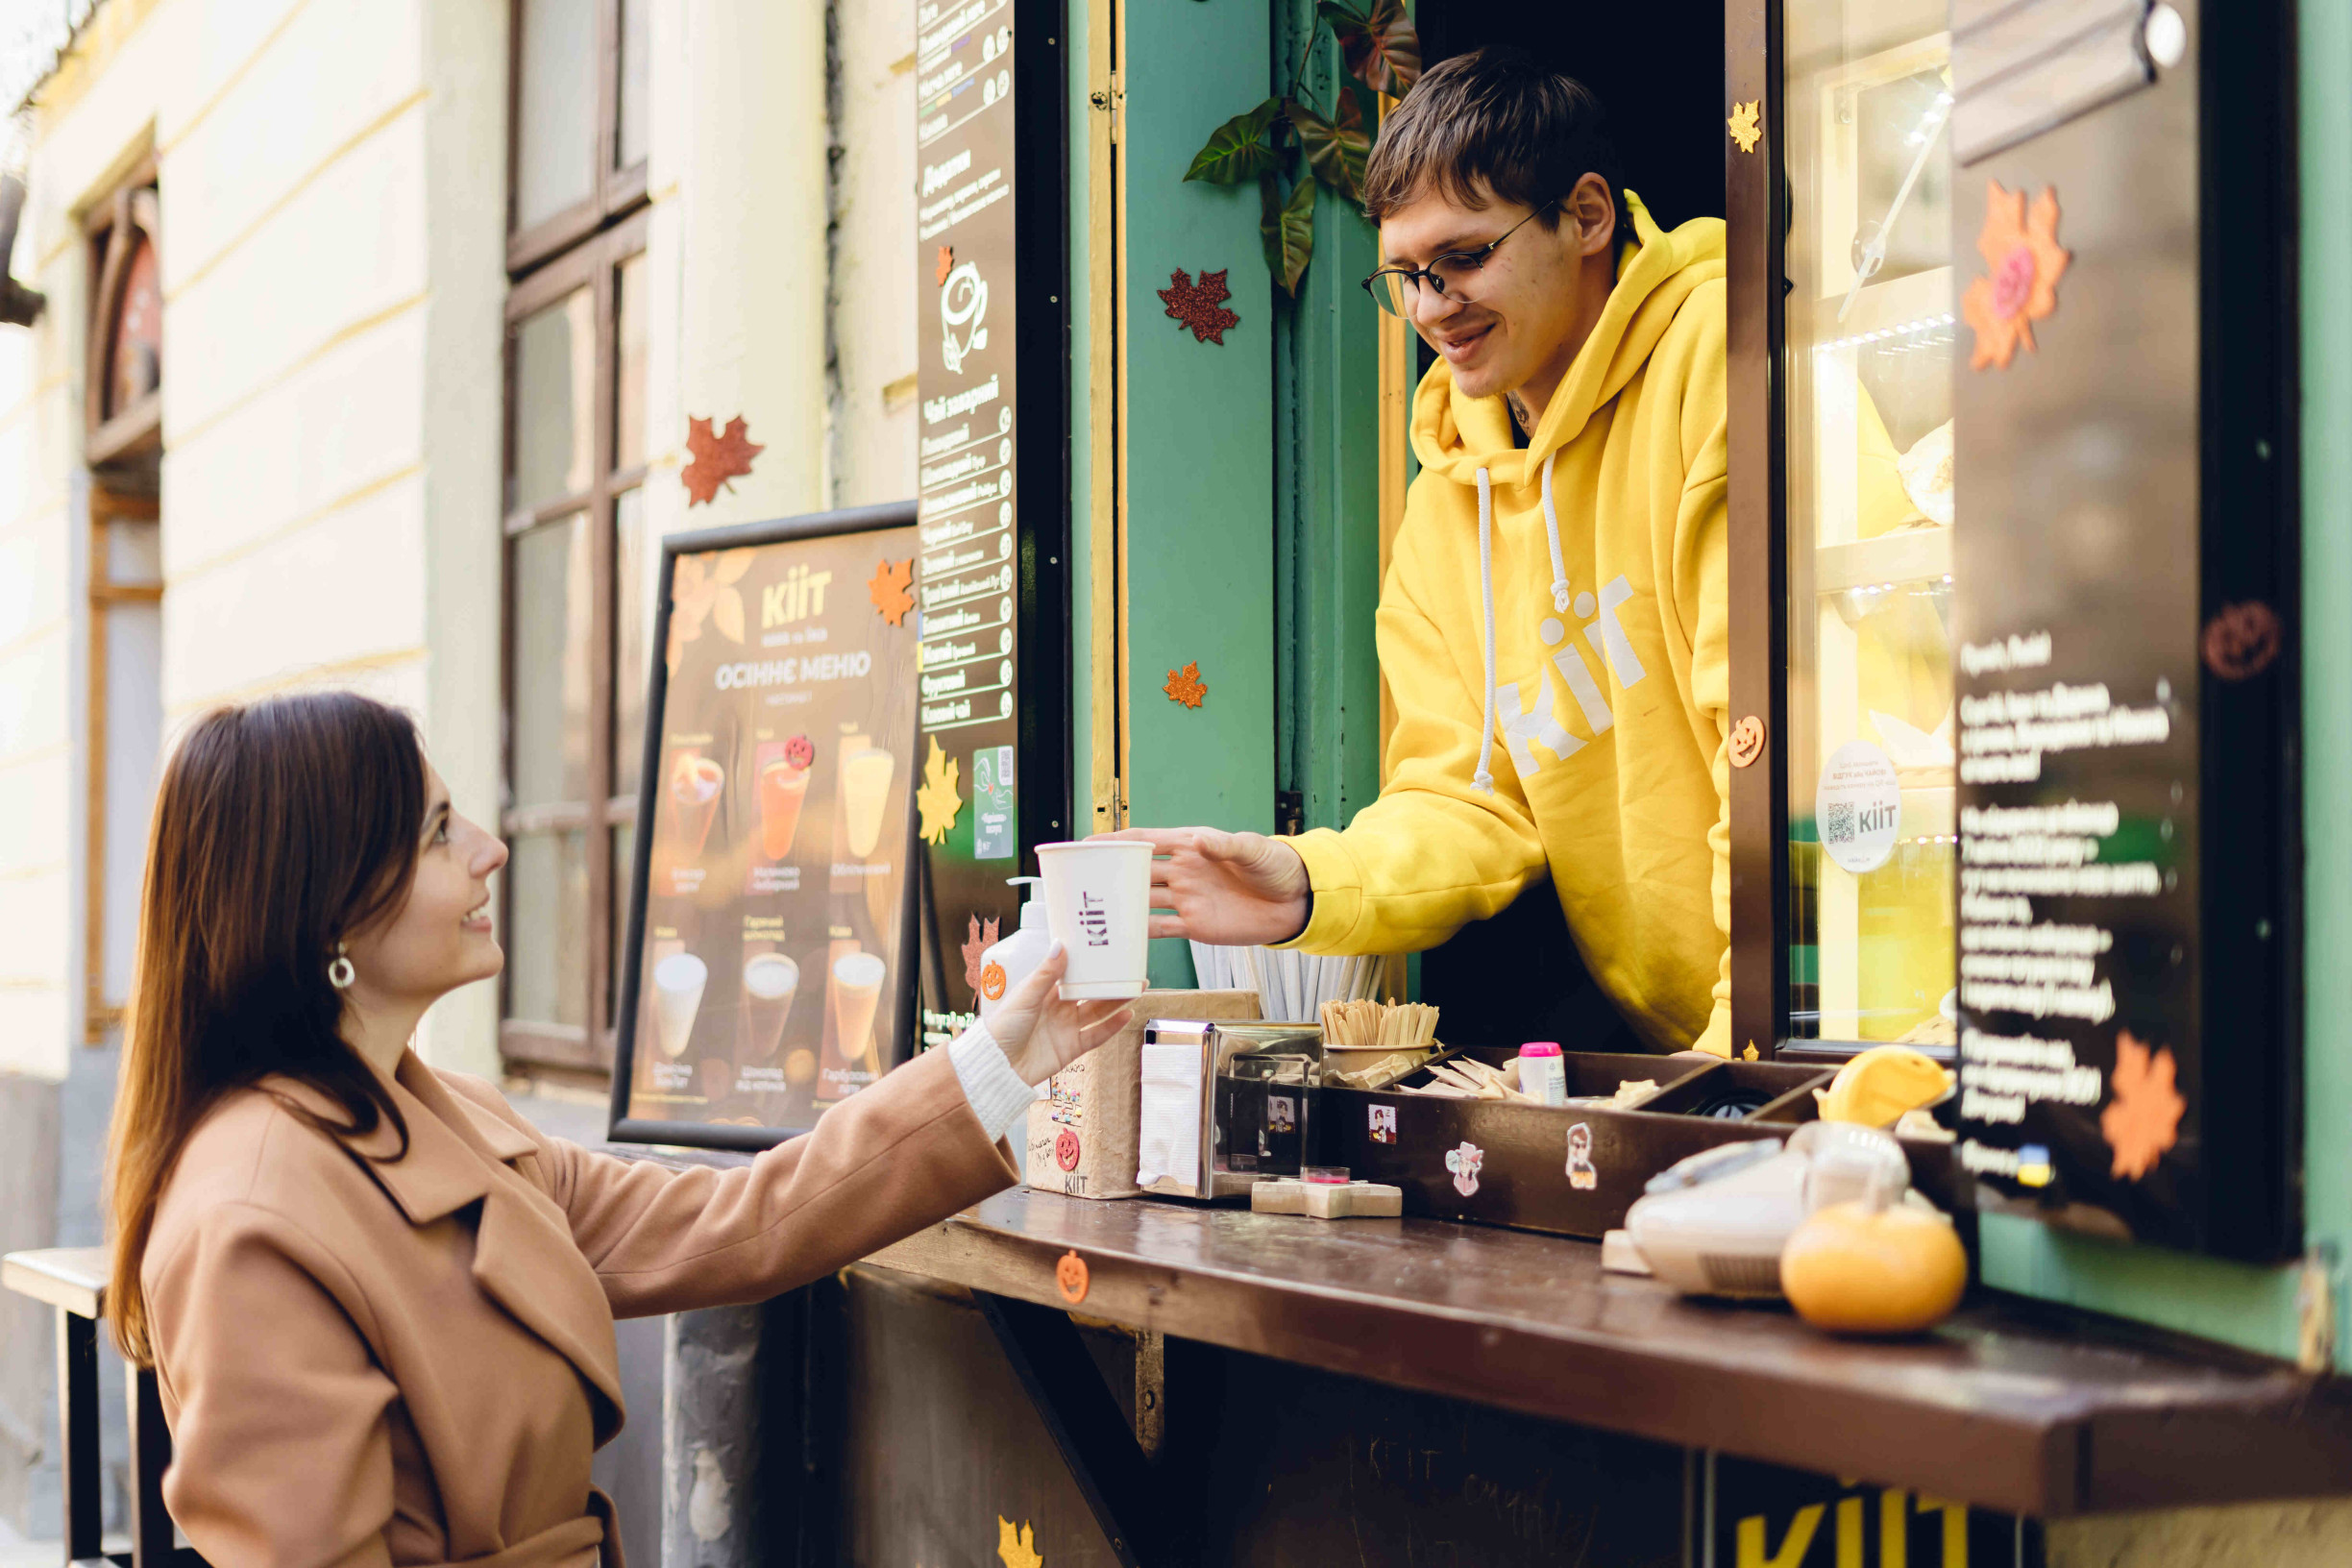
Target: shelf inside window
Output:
[(1905, 556)]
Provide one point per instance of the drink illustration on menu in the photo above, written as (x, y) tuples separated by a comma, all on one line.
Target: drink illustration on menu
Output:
[(780, 821)]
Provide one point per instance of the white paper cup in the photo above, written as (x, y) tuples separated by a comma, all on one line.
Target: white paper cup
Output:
[(677, 996), (1099, 907)]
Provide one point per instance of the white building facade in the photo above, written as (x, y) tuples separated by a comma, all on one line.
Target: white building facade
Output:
[(389, 387)]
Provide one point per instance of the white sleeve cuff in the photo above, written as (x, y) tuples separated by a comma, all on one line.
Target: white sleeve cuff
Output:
[(998, 1097)]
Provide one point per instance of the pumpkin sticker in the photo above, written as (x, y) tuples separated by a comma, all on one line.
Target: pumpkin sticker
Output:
[(2021, 246), (1065, 1149), (992, 982), (1072, 1279)]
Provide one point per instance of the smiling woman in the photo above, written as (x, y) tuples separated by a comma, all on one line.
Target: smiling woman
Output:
[(378, 1302)]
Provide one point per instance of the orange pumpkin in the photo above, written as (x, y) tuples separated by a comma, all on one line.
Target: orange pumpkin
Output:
[(1868, 1268)]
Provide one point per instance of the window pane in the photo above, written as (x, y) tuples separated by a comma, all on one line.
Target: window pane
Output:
[(635, 106), (624, 857), (138, 332), (632, 637), (1869, 507), (554, 388), (556, 123), (547, 709), (547, 929), (628, 414)]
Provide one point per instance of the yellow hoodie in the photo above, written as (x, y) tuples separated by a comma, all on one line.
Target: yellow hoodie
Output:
[(1552, 629)]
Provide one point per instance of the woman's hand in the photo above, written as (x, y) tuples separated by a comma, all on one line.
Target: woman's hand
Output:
[(1232, 888), (1041, 1034)]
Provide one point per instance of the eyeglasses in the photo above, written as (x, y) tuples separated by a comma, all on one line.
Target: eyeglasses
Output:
[(1453, 275)]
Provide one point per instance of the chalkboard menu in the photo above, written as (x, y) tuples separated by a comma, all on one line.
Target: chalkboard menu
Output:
[(769, 965), (2123, 563), (991, 478)]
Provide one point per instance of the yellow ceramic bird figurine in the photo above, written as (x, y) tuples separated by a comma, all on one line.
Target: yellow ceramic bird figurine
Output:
[(1878, 1087)]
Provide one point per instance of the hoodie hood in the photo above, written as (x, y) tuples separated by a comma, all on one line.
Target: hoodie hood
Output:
[(1457, 435)]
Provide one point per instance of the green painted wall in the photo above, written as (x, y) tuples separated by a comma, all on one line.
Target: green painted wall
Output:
[(1327, 490), (1200, 459), (2247, 1305)]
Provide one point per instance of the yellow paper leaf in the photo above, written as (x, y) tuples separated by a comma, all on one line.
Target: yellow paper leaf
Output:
[(727, 615), (1745, 128), (936, 800), (1017, 1545)]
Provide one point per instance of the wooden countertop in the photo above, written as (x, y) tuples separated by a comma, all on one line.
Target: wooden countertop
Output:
[(2010, 1405)]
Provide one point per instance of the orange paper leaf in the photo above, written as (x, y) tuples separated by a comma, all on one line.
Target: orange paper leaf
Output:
[(1186, 685), (978, 937), (2143, 1114), (2021, 246), (716, 457), (888, 589), (946, 263)]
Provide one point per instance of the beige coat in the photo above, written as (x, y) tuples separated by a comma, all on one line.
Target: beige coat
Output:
[(410, 1361)]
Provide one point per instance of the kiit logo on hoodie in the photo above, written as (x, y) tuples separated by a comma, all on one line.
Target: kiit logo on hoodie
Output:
[(1523, 724)]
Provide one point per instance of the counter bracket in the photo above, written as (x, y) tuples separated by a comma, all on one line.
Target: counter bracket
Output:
[(1086, 1426)]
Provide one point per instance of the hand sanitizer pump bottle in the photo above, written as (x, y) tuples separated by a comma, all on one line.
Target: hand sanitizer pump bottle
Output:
[(1009, 962)]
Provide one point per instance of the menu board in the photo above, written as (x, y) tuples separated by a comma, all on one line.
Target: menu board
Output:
[(769, 968), (968, 570), (2124, 702)]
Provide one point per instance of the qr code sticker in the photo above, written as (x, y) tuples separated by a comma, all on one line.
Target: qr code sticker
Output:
[(1837, 825)]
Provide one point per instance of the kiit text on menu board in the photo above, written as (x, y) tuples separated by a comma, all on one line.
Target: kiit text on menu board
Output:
[(800, 669)]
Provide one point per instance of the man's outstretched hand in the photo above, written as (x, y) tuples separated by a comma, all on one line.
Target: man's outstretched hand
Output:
[(1236, 889)]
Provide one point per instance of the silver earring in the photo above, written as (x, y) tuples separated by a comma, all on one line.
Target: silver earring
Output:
[(340, 973)]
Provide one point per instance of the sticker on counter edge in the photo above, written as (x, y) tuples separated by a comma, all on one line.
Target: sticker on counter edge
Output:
[(1464, 1163), (1581, 1172)]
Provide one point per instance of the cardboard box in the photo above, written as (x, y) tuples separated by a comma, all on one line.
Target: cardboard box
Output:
[(1082, 1136)]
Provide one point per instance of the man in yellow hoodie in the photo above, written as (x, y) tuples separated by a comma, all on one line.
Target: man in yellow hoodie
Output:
[(1552, 625)]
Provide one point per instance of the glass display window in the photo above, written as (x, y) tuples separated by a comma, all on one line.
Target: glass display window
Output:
[(1868, 320)]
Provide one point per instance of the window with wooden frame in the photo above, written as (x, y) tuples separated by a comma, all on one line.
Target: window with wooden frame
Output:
[(575, 598), (122, 444), (580, 108), (575, 638)]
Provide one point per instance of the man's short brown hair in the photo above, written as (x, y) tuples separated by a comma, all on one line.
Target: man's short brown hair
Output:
[(1493, 125)]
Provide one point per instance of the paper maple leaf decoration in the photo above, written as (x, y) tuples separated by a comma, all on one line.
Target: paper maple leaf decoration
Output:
[(1185, 685), (946, 263), (1201, 306), (888, 589), (701, 590), (2021, 248), (978, 937), (936, 800), (1745, 128), (716, 458), (2143, 1117), (1016, 1548)]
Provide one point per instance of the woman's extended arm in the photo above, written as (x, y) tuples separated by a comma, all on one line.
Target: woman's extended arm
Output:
[(903, 1153)]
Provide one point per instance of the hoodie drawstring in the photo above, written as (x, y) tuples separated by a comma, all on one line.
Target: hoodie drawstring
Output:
[(1485, 777), (1559, 568)]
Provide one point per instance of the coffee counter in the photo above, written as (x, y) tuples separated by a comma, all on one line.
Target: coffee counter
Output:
[(2010, 1405)]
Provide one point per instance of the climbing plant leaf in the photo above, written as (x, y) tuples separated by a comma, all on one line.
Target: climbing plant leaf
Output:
[(1381, 48), (1243, 148), (1289, 228), (1336, 148)]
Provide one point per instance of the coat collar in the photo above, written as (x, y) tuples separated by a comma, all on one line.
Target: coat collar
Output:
[(525, 1257)]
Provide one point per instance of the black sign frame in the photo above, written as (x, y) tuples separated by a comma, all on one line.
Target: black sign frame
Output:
[(2237, 1190), (622, 1127)]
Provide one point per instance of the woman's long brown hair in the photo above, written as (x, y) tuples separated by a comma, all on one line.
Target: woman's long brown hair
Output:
[(281, 829)]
